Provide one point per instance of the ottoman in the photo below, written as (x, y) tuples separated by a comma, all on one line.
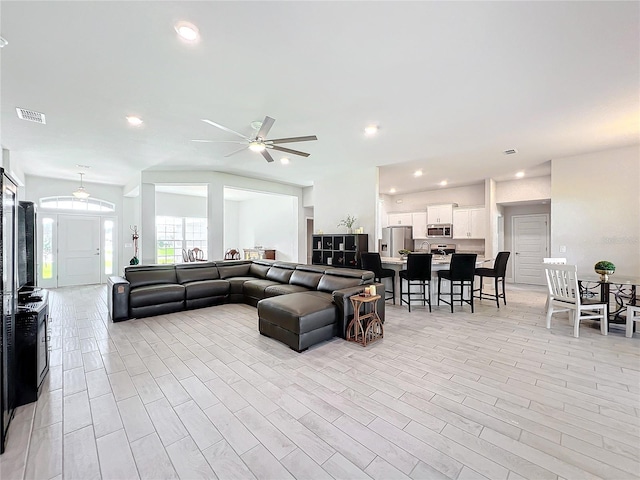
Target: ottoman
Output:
[(298, 320)]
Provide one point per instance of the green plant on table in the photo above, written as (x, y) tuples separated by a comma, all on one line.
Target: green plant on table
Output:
[(404, 251), (605, 265)]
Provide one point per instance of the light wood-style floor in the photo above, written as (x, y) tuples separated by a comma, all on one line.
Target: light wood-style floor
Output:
[(201, 394)]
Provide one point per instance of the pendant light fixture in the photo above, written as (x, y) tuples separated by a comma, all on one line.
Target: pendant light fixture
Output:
[(81, 192)]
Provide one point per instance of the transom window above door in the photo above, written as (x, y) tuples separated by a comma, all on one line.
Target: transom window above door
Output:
[(73, 203)]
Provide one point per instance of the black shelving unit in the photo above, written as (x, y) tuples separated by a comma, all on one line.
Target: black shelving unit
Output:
[(339, 250)]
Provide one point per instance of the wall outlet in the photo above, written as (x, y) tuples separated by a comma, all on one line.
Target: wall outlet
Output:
[(563, 249)]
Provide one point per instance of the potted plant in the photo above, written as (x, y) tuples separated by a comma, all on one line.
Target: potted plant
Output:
[(605, 268), (404, 252), (347, 222)]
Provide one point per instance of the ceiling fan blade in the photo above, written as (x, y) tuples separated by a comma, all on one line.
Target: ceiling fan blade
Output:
[(288, 150), (236, 151), (267, 156), (266, 126), (218, 141), (224, 128), (292, 139)]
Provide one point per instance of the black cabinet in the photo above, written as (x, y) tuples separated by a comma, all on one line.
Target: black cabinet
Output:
[(32, 346), (339, 250)]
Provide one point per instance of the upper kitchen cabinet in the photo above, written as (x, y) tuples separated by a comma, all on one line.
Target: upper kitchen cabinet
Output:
[(419, 222), (469, 222), (403, 219), (440, 213)]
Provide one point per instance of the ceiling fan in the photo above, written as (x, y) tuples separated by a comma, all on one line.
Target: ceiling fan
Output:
[(259, 142)]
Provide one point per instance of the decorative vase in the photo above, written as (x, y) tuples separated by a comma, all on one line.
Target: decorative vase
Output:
[(604, 274), (349, 230)]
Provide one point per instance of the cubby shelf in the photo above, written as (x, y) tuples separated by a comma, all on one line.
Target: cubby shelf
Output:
[(339, 250)]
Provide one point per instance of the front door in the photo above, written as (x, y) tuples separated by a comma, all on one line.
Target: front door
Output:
[(531, 244), (78, 250)]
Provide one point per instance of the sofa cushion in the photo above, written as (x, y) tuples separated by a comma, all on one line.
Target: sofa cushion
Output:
[(305, 278), (196, 272), (156, 294), (279, 274), (206, 288), (259, 269), (255, 288), (283, 289), (236, 283), (330, 282), (233, 269), (150, 275), (298, 312)]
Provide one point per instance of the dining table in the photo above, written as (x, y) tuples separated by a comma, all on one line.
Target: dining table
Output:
[(617, 291)]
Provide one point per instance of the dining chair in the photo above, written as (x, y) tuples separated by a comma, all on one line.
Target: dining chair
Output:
[(191, 255), (460, 274), (418, 273), (185, 255), (232, 254), (554, 261), (372, 261), (564, 296), (198, 254), (498, 272), (633, 316)]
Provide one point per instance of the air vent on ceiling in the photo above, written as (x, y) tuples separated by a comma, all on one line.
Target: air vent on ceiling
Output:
[(511, 151), (30, 115)]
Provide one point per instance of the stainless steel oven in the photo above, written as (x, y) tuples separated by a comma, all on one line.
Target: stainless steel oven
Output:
[(439, 230)]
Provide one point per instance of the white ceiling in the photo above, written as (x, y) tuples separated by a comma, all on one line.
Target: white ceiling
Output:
[(451, 84)]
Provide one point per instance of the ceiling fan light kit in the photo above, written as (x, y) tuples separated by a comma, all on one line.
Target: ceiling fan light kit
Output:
[(259, 143)]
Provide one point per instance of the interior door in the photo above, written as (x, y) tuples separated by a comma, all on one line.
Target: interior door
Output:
[(79, 256), (531, 244)]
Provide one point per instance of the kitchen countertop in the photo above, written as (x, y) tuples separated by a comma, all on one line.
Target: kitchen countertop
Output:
[(437, 260)]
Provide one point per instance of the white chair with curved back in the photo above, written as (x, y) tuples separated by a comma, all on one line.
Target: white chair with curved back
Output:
[(564, 296)]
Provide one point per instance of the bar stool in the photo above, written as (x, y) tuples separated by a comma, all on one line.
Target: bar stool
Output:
[(419, 272), (371, 261), (498, 272), (460, 274), (633, 315)]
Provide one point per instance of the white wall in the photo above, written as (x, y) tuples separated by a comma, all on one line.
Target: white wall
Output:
[(412, 202), (595, 209), (270, 222), (347, 192), (524, 189), (232, 225), (173, 205)]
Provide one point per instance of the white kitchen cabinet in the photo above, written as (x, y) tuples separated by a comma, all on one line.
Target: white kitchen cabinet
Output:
[(419, 222), (440, 213), (403, 219), (469, 222)]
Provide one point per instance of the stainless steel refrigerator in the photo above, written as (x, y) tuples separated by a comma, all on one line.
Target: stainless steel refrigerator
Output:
[(394, 239)]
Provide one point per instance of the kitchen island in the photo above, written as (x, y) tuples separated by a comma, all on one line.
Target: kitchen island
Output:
[(438, 262)]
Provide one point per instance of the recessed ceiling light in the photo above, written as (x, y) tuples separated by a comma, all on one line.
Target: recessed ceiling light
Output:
[(135, 121), (417, 173), (285, 161), (392, 190), (443, 183), (371, 129), (187, 31), (519, 174)]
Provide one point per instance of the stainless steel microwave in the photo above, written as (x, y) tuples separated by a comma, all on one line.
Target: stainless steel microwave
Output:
[(439, 230)]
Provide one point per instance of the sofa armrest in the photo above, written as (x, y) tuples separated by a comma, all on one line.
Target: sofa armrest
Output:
[(118, 298), (345, 308)]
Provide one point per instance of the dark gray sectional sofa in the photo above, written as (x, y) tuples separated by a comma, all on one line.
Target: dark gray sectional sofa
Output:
[(300, 305)]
